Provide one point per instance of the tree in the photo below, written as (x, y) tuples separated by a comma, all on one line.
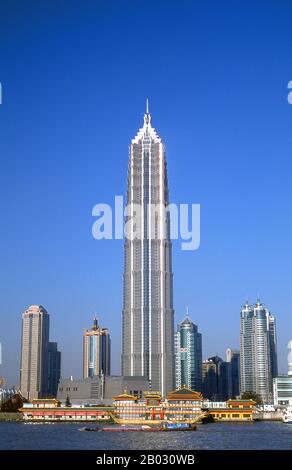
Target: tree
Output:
[(68, 402), (252, 396), (13, 404)]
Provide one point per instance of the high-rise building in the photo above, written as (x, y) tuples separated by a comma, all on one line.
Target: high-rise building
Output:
[(273, 346), (215, 379), (233, 372), (258, 350), (188, 356), (54, 369), (290, 359), (34, 352), (282, 385), (96, 351), (148, 329)]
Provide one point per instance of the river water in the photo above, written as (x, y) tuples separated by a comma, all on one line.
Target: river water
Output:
[(259, 435)]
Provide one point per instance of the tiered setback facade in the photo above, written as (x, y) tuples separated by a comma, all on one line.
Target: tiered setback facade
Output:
[(148, 315)]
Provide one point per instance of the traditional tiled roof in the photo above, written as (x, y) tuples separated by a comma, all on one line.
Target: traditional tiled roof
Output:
[(125, 396), (152, 395), (241, 401), (45, 400), (184, 393)]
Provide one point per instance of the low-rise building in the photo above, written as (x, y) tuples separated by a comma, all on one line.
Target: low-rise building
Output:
[(100, 389), (282, 388), (235, 410), (180, 405), (213, 404), (154, 407), (282, 385), (183, 405), (129, 407), (53, 410)]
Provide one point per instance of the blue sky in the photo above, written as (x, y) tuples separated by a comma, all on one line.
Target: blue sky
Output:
[(75, 76)]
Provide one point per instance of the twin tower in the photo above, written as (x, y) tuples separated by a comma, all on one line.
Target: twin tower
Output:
[(148, 315)]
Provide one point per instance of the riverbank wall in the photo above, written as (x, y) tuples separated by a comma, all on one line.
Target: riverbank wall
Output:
[(11, 417), (268, 416)]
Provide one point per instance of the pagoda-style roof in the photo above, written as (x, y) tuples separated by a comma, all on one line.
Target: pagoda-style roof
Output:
[(150, 395), (184, 393), (241, 401), (126, 397), (44, 400)]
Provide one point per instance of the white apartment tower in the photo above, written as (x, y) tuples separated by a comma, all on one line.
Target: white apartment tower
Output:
[(258, 351)]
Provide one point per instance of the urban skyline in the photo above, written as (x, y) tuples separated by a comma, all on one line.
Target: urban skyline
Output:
[(74, 84), (97, 356), (252, 369)]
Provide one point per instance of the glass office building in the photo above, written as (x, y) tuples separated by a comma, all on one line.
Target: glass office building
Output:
[(188, 356), (96, 351)]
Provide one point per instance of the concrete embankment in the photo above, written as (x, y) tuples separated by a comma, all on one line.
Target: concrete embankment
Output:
[(268, 416), (10, 416)]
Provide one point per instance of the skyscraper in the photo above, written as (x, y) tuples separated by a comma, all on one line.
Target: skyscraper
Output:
[(188, 355), (215, 379), (258, 350), (96, 351), (148, 330), (233, 372), (282, 385), (290, 359), (54, 369), (34, 352)]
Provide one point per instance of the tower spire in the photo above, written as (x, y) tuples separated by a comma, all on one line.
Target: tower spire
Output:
[(147, 116), (95, 323)]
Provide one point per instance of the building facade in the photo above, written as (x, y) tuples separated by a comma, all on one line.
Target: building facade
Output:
[(148, 329), (233, 372), (52, 410), (34, 352), (282, 385), (100, 389), (282, 390), (188, 356), (54, 368), (215, 379), (181, 405), (96, 351), (258, 351), (234, 410)]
